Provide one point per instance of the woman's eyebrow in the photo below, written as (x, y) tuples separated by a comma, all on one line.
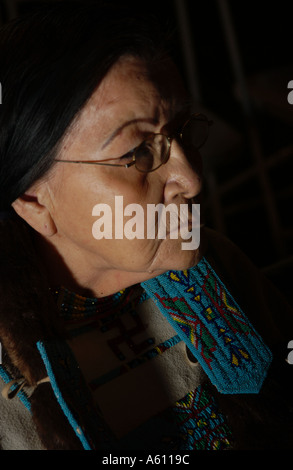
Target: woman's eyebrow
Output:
[(182, 106), (128, 123)]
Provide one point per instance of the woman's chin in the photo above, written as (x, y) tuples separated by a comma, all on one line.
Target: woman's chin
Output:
[(174, 258)]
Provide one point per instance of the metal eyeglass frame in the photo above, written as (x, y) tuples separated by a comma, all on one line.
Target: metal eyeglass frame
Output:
[(198, 116)]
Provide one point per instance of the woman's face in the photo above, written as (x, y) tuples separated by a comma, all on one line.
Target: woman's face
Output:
[(126, 107)]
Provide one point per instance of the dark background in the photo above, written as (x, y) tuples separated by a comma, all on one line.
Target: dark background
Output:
[(237, 68)]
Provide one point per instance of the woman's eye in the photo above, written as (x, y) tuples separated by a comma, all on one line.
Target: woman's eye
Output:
[(127, 156)]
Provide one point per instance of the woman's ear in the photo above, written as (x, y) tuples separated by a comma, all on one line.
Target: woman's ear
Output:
[(34, 211)]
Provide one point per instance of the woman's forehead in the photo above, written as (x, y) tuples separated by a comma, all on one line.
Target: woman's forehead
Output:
[(131, 90), (135, 78)]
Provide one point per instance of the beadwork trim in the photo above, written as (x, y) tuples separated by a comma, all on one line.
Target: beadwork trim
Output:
[(6, 377), (201, 425), (206, 316)]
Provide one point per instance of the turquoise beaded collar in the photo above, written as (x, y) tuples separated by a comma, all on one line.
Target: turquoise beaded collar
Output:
[(205, 315)]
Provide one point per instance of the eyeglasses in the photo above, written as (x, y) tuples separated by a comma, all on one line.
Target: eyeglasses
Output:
[(154, 151)]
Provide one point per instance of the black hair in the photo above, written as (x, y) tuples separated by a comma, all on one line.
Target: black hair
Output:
[(51, 61)]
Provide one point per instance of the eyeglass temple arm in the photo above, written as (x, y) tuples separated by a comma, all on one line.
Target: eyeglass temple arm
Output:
[(88, 162)]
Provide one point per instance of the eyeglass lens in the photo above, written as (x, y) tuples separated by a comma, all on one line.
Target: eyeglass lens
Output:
[(154, 152)]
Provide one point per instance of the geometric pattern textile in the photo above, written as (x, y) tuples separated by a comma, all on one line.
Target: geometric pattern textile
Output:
[(208, 319), (201, 425)]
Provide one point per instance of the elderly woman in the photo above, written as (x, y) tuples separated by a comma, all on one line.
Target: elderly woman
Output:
[(112, 340)]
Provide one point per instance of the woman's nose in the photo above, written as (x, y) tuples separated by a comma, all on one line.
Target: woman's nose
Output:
[(183, 173)]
